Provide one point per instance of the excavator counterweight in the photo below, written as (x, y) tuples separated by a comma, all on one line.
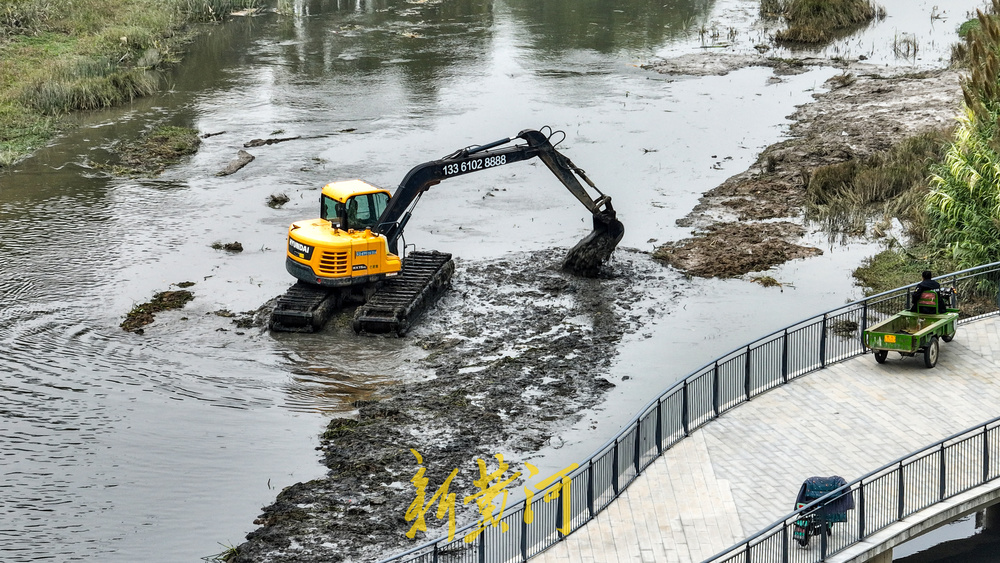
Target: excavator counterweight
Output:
[(351, 253)]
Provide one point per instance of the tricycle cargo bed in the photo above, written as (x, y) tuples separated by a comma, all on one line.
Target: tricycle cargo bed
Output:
[(910, 333), (905, 331)]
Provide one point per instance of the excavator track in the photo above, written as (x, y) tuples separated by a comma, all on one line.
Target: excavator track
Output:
[(401, 299), (304, 308)]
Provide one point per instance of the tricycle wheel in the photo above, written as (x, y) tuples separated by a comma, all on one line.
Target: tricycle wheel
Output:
[(931, 353), (948, 337), (881, 355)]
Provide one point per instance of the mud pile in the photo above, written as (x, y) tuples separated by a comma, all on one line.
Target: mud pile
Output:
[(519, 350), (727, 249), (864, 112)]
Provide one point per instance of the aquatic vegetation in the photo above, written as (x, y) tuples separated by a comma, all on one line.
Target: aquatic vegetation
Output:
[(157, 149), (891, 184), (143, 313), (815, 21), (85, 83), (899, 267)]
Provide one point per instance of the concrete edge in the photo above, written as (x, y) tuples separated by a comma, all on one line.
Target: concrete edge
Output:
[(919, 523)]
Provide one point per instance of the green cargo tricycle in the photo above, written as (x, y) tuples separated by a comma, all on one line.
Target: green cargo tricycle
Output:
[(919, 330)]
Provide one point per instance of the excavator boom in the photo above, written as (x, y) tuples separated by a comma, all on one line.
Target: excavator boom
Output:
[(584, 259)]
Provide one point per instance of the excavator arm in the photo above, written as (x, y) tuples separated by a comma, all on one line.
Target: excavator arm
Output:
[(585, 258)]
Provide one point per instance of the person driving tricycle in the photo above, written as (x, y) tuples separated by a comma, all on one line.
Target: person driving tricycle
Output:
[(926, 297)]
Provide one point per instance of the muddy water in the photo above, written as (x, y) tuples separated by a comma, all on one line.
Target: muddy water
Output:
[(163, 446)]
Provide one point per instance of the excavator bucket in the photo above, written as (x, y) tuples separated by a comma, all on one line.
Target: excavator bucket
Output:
[(586, 258)]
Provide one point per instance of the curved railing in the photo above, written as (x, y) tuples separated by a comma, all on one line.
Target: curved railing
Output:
[(687, 405), (885, 496)]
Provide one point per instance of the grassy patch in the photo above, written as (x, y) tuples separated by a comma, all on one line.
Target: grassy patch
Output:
[(275, 201), (897, 267), (892, 184), (844, 328), (58, 57), (338, 428), (228, 553), (234, 246), (969, 26), (156, 150), (142, 314), (815, 21)]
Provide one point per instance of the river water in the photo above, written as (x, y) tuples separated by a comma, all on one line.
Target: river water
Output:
[(164, 446)]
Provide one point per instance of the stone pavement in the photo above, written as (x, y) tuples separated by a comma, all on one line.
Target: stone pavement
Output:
[(741, 472)]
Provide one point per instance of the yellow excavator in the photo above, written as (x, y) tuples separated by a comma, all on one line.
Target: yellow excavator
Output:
[(351, 251)]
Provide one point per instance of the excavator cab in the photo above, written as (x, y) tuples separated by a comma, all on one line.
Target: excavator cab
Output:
[(342, 247), (353, 212)]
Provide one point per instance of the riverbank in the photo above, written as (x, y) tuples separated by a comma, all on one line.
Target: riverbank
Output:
[(755, 219), (61, 57)]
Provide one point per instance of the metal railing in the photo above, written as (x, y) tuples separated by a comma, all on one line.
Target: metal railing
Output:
[(687, 405), (885, 496)]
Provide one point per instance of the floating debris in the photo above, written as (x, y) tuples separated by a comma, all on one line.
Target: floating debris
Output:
[(242, 159)]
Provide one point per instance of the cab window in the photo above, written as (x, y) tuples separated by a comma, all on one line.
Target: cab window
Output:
[(363, 211), (332, 211)]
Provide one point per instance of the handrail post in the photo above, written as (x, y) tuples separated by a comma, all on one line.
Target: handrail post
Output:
[(986, 454), (684, 409), (823, 544), (943, 476), (638, 444), (822, 344), (659, 428), (524, 537), (784, 543), (590, 488), (746, 375), (861, 510), (864, 323), (436, 552), (559, 516), (482, 546), (614, 468), (715, 389), (901, 490), (784, 357)]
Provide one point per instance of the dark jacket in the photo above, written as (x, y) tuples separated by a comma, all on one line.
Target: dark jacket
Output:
[(927, 285)]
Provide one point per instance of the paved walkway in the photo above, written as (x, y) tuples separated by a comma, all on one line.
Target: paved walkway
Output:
[(741, 472)]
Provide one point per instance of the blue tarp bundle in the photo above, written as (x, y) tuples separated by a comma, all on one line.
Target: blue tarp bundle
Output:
[(816, 487)]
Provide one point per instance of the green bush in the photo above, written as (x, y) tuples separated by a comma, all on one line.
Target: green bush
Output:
[(964, 201)]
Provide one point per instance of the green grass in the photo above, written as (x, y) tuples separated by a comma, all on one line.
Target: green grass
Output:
[(58, 57), (143, 313), (815, 21), (898, 267), (157, 149), (848, 196)]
